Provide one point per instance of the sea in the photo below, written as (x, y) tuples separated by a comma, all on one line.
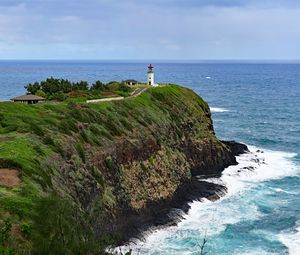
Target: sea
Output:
[(254, 103)]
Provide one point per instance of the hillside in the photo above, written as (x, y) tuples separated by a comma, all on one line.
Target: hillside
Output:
[(74, 177)]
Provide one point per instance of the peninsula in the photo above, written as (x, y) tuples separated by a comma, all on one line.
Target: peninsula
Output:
[(77, 177)]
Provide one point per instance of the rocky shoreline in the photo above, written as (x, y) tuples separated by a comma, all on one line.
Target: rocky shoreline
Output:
[(170, 212)]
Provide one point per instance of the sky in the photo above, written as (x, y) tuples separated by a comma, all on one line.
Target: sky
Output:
[(150, 29)]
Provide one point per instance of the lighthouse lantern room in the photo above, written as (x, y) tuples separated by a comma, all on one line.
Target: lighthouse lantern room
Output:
[(150, 75)]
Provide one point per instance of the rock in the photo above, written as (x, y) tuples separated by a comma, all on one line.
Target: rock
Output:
[(236, 148)]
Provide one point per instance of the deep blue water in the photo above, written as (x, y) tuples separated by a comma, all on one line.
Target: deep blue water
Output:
[(258, 104)]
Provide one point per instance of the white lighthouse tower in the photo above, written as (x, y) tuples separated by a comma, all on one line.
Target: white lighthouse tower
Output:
[(151, 76)]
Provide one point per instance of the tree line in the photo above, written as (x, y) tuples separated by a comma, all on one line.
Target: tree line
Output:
[(53, 86)]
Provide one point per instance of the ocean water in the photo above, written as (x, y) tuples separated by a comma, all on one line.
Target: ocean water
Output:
[(257, 104)]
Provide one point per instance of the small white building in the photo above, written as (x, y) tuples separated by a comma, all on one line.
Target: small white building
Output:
[(130, 82), (150, 80)]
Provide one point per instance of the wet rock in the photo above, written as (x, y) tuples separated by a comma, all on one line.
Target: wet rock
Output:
[(236, 148)]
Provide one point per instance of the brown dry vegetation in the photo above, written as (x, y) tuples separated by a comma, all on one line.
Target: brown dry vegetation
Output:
[(9, 178)]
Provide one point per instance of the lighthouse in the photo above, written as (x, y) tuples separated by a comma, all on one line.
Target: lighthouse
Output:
[(150, 75)]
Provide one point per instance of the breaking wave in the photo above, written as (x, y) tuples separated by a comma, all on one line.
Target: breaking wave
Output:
[(212, 219), (218, 109)]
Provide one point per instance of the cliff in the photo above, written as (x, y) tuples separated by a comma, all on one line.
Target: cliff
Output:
[(89, 175)]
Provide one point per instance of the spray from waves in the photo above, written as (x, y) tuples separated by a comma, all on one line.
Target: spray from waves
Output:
[(292, 240), (218, 109), (212, 218), (257, 166)]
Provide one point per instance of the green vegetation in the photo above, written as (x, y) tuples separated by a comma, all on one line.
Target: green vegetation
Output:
[(68, 155), (61, 90)]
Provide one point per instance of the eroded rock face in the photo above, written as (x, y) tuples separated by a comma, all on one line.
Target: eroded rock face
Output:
[(130, 182)]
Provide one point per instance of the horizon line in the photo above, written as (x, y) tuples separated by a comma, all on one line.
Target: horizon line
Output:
[(167, 60)]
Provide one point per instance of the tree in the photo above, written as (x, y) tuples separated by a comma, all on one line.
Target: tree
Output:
[(51, 85), (65, 86), (41, 93), (33, 88), (82, 85), (98, 85)]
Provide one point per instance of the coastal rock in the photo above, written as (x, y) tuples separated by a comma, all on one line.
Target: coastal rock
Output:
[(236, 148)]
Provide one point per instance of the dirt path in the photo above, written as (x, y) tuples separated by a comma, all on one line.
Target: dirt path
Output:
[(138, 91), (135, 93)]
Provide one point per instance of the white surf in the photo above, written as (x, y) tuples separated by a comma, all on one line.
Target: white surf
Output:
[(218, 109), (212, 218)]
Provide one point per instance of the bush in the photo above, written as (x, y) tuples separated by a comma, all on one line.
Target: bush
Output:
[(109, 163), (98, 85), (5, 231), (82, 85), (41, 93), (59, 96), (123, 87), (26, 229)]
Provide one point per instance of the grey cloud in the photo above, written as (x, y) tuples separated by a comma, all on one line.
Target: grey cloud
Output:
[(131, 29)]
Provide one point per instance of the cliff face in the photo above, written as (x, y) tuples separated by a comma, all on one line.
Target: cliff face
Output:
[(106, 168)]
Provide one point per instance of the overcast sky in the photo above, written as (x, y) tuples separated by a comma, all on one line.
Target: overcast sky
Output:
[(150, 29)]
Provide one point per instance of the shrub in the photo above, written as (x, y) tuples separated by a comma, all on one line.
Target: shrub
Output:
[(82, 85), (109, 163), (41, 93), (59, 96), (98, 85), (26, 229), (5, 231), (123, 87)]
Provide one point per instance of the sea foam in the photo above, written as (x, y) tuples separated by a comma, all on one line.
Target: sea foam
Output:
[(211, 218), (218, 109), (256, 166), (292, 240)]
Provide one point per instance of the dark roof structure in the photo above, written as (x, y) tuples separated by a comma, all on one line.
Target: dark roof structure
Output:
[(29, 97), (132, 81)]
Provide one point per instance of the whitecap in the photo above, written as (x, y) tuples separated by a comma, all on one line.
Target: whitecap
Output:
[(256, 166), (208, 77), (218, 109), (292, 240), (279, 190)]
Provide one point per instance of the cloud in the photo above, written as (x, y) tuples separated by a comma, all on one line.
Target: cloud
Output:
[(129, 29)]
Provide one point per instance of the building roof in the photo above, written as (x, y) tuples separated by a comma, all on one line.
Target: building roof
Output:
[(29, 97), (134, 81)]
